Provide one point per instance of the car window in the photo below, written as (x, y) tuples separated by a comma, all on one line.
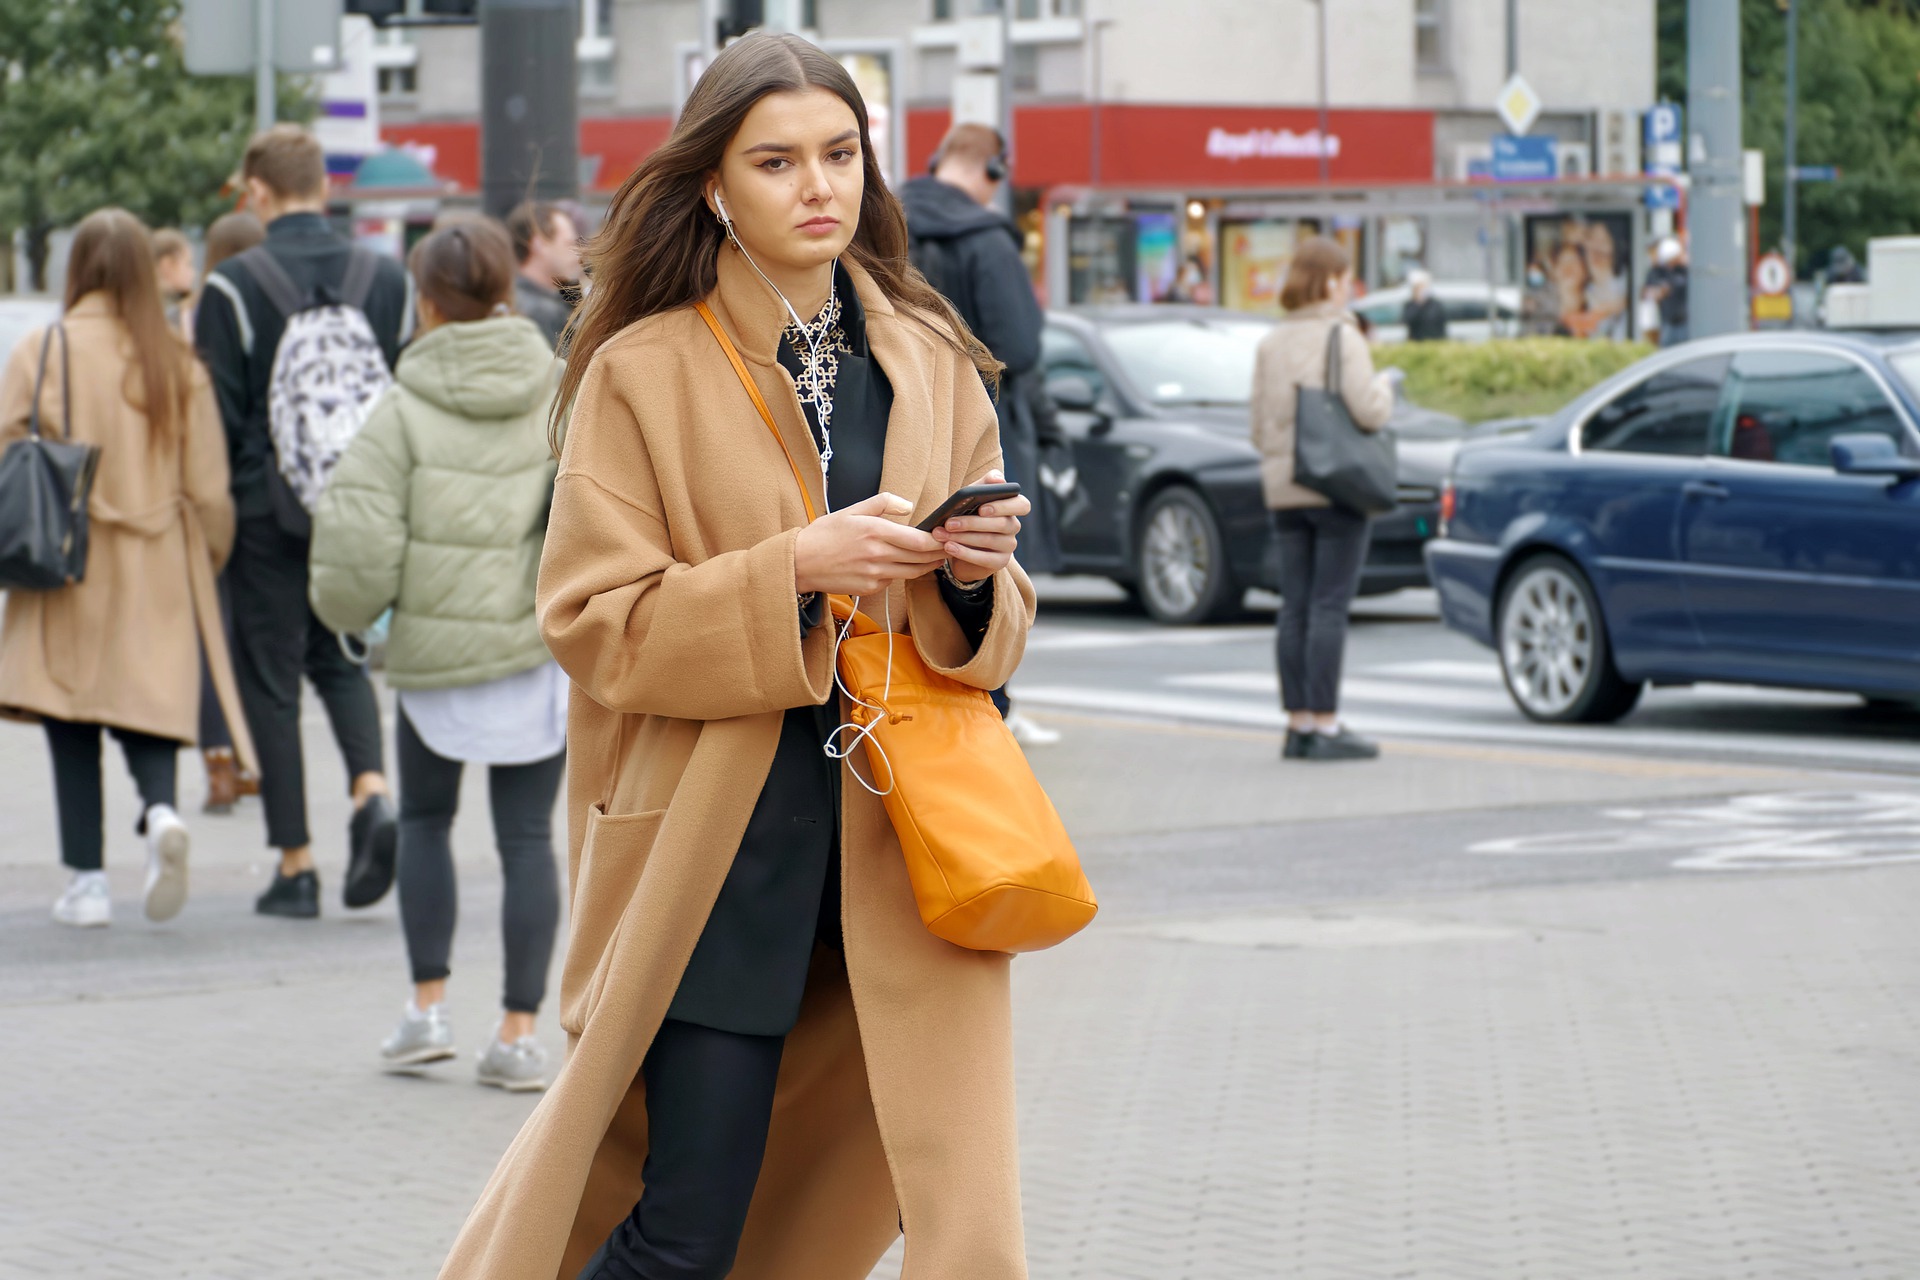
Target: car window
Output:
[(1189, 362), (1669, 413), (1383, 311), (1787, 406), (1472, 309), (1064, 355)]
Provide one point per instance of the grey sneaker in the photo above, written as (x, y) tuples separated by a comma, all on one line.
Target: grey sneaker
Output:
[(520, 1067), (421, 1038)]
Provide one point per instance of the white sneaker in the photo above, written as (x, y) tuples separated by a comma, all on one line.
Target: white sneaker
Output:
[(519, 1067), (87, 903), (167, 845), (424, 1036), (1029, 734)]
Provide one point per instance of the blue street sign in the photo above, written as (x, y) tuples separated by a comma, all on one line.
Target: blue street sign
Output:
[(1526, 158), (1663, 197), (1816, 173), (1662, 125)]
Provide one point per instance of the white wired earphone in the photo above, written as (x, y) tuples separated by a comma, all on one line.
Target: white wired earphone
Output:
[(832, 746)]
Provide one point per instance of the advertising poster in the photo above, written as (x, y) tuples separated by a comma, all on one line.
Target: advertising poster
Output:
[(1579, 276), (1156, 257), (1253, 262), (873, 73)]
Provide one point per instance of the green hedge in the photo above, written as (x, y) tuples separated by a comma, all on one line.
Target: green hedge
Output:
[(1506, 378)]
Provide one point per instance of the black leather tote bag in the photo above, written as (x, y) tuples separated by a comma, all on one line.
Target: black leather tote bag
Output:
[(1349, 467), (44, 486)]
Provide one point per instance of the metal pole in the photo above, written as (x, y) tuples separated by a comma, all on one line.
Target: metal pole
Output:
[(1790, 189), (1004, 198), (264, 87), (1513, 38), (1716, 282), (1325, 161)]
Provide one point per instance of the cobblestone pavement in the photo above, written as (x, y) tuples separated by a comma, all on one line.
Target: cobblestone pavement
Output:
[(1313, 1035)]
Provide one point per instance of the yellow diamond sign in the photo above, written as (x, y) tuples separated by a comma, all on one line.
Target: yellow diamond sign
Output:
[(1518, 104)]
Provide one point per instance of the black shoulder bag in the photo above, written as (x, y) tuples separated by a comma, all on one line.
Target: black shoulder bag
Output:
[(44, 486), (1348, 467)]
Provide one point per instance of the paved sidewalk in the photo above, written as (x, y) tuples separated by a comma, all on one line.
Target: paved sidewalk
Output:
[(1312, 1036)]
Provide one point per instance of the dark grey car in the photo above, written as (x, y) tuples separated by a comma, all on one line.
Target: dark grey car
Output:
[(1155, 400)]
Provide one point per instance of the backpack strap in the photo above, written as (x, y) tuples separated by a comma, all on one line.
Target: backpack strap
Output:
[(242, 321), (362, 266), (283, 294)]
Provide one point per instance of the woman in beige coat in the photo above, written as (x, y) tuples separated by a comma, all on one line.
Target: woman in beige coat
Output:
[(120, 649), (775, 1068), (1322, 547)]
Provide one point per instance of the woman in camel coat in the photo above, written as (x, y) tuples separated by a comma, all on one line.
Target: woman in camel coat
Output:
[(120, 649), (741, 978)]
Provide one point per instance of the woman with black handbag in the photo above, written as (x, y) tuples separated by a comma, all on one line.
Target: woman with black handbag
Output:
[(117, 648), (1323, 543)]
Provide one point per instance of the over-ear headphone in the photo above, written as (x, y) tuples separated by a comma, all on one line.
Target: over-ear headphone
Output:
[(996, 166)]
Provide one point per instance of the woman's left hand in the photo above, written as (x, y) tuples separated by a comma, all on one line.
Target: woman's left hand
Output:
[(980, 545)]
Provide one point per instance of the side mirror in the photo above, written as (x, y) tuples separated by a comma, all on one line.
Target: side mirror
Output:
[(1071, 391), (1871, 455)]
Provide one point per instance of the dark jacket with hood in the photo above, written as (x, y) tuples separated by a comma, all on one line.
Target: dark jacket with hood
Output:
[(971, 254)]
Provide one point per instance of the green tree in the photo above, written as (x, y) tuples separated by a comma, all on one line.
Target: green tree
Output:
[(1859, 111), (97, 108)]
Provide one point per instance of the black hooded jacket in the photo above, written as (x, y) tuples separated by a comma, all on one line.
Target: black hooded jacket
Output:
[(972, 255)]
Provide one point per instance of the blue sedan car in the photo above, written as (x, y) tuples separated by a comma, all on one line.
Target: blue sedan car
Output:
[(1742, 509)]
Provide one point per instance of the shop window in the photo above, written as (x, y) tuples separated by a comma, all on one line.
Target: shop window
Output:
[(1429, 34), (399, 81), (596, 47), (943, 10), (1024, 66)]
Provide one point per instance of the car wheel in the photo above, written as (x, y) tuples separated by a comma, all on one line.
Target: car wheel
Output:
[(1553, 647), (1181, 560)]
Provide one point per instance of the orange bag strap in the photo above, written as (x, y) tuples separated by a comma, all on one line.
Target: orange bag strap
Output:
[(766, 414)]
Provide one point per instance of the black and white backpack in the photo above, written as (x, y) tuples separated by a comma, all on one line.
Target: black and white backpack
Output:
[(328, 371)]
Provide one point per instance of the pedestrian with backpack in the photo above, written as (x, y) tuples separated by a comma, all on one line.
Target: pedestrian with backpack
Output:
[(439, 511), (117, 647), (299, 335), (970, 251)]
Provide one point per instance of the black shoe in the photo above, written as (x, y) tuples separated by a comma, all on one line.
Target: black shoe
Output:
[(1343, 744), (371, 837), (1295, 747), (297, 897)]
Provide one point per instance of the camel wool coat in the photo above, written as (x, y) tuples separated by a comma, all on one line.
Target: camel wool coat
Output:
[(667, 593), (122, 646)]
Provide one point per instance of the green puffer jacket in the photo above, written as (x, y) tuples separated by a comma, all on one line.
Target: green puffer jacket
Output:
[(439, 508)]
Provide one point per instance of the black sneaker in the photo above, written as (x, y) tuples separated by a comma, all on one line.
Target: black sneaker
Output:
[(1344, 744), (1295, 747), (371, 838), (297, 897)]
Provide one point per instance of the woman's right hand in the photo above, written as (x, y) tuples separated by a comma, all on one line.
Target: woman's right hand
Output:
[(861, 550)]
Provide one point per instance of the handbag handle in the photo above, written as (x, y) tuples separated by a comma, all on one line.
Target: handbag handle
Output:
[(66, 384), (766, 415), (1333, 359)]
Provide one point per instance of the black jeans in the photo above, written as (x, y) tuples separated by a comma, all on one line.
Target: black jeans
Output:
[(522, 797), (214, 734), (1321, 552), (276, 640), (76, 783), (709, 1102)]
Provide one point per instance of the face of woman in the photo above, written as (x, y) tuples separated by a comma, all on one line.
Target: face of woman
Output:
[(792, 180)]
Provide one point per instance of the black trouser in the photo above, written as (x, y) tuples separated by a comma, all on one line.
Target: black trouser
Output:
[(276, 639), (214, 734), (709, 1102), (522, 797), (76, 783), (1321, 552)]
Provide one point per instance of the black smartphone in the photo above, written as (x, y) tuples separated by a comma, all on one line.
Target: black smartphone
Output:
[(966, 501)]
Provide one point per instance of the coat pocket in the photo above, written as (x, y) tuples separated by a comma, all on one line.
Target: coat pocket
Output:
[(612, 858)]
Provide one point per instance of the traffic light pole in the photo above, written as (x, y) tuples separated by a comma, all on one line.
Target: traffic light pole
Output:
[(529, 102)]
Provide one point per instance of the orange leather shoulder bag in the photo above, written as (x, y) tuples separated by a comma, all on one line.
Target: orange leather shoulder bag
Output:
[(991, 864)]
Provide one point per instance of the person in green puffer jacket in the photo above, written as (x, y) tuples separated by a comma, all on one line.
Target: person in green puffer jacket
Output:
[(438, 511)]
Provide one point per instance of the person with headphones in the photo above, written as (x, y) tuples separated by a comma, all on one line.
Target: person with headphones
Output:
[(970, 252)]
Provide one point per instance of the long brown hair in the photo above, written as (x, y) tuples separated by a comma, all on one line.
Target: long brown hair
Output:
[(112, 254), (659, 246)]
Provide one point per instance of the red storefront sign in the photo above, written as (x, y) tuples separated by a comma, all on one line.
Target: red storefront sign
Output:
[(1140, 146)]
